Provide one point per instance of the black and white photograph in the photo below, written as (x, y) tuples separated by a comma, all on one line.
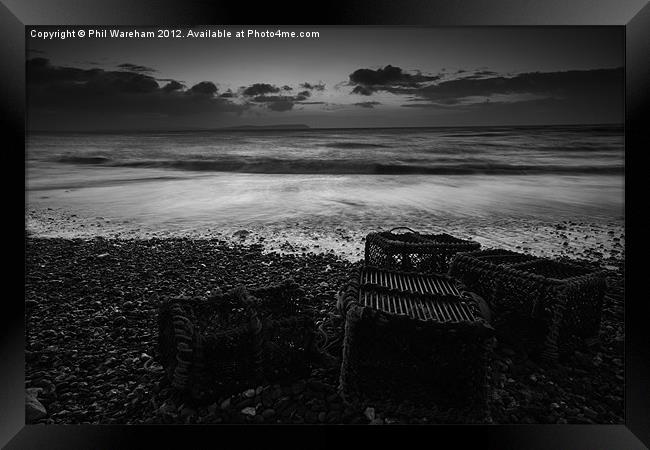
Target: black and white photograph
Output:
[(325, 225)]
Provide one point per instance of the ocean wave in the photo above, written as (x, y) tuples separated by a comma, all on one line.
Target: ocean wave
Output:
[(66, 184), (347, 167), (472, 135), (84, 159), (355, 145)]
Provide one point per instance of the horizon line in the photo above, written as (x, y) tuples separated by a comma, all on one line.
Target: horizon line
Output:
[(304, 127)]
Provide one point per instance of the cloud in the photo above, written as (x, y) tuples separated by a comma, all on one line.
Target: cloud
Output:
[(262, 94), (173, 85), (367, 104), (320, 86), (363, 90), (136, 68), (260, 89), (567, 84), (278, 102), (390, 79), (70, 97), (204, 88), (481, 85), (271, 98)]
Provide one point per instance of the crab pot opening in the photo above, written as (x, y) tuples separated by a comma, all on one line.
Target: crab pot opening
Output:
[(428, 253)]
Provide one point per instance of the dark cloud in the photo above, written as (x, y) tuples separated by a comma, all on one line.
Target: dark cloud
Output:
[(320, 86), (568, 84), (39, 70), (122, 82), (480, 85), (367, 104), (69, 97), (362, 90), (478, 74), (486, 73), (259, 94), (260, 89), (390, 79), (136, 68), (271, 98), (276, 102), (173, 85), (228, 94), (204, 88)]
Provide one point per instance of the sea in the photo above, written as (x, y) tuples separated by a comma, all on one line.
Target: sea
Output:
[(313, 183)]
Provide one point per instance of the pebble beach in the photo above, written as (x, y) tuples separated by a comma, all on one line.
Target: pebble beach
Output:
[(91, 349)]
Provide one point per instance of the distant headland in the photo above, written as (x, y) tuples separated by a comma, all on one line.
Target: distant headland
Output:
[(290, 126)]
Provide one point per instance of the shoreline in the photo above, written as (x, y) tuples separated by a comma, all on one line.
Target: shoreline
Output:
[(91, 330), (595, 240)]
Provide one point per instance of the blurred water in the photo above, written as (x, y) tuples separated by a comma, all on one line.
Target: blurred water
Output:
[(330, 178)]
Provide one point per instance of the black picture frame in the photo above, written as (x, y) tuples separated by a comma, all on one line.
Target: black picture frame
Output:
[(634, 15)]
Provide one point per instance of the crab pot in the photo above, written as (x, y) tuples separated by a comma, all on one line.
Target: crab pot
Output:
[(541, 304), (476, 269), (227, 342), (417, 338), (412, 251)]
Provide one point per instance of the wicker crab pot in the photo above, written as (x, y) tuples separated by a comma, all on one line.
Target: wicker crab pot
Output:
[(541, 303), (417, 338), (412, 251), (227, 342)]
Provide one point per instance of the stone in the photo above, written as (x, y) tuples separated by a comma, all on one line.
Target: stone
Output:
[(250, 393), (241, 234), (34, 410), (248, 411)]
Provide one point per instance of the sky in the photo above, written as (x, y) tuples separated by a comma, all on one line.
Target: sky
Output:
[(346, 77)]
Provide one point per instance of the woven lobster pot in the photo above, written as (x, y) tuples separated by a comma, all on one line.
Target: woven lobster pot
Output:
[(475, 269), (227, 342), (540, 303), (412, 251), (418, 338)]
